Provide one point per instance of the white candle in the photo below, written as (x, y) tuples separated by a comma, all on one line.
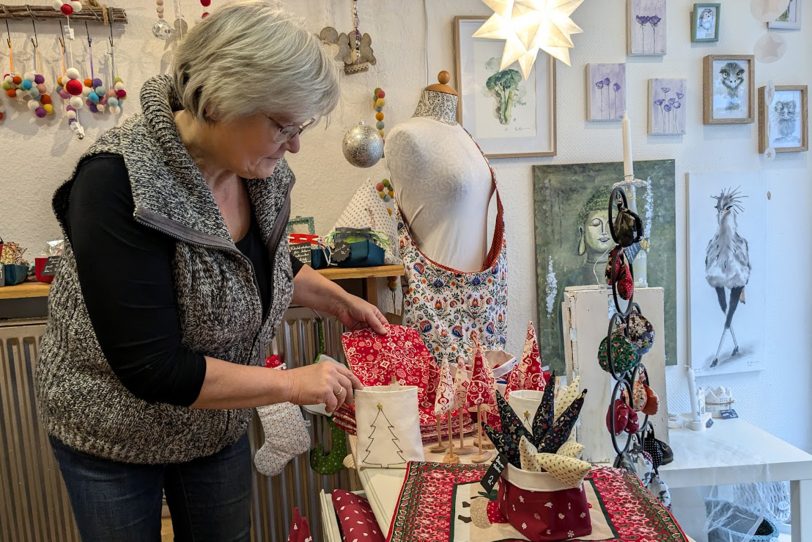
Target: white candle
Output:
[(628, 167)]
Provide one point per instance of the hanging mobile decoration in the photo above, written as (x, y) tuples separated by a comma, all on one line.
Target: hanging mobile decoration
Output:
[(161, 29), (67, 8), (117, 94), (11, 79), (70, 87), (205, 4), (355, 49), (378, 102), (34, 91), (94, 91)]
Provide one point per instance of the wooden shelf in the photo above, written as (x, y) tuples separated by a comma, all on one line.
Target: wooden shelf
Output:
[(25, 290), (339, 273), (40, 289)]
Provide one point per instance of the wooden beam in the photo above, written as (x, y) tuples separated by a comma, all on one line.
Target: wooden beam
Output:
[(48, 13)]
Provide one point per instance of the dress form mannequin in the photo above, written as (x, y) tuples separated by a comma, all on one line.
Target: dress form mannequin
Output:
[(442, 182)]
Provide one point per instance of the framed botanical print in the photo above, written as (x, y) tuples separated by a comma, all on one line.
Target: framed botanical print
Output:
[(790, 19), (508, 116), (705, 22), (783, 123), (728, 89)]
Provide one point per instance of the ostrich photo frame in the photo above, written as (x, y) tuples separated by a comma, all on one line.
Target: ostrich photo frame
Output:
[(508, 116), (783, 124), (727, 271), (728, 89), (728, 86)]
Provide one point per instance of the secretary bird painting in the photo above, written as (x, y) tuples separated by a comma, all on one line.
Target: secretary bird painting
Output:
[(727, 262)]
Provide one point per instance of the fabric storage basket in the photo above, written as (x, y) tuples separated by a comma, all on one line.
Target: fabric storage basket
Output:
[(728, 522), (541, 507)]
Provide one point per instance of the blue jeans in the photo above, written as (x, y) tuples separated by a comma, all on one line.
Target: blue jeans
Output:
[(209, 497)]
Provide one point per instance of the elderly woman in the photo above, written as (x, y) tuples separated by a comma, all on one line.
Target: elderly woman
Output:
[(175, 276)]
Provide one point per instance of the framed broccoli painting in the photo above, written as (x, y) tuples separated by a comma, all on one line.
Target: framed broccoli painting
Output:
[(507, 115)]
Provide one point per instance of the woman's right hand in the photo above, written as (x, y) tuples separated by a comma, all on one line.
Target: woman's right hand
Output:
[(329, 383)]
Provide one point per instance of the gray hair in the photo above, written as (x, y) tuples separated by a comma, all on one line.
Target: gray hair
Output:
[(248, 57)]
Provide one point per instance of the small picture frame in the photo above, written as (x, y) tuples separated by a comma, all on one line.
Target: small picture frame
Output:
[(508, 116), (667, 106), (705, 22), (646, 27), (728, 87), (783, 124), (790, 19), (605, 92)]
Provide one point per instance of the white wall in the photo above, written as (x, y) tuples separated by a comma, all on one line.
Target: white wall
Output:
[(34, 158)]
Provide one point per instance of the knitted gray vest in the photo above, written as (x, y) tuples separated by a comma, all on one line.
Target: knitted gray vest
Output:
[(81, 401)]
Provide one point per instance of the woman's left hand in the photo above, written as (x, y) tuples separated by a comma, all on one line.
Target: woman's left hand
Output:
[(355, 313)]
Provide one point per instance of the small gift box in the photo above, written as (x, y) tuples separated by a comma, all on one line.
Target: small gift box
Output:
[(542, 507)]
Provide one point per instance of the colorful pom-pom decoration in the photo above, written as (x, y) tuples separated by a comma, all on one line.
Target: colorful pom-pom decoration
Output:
[(34, 92), (67, 8), (377, 104)]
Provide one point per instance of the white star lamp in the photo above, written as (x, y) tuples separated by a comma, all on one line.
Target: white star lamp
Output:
[(528, 26)]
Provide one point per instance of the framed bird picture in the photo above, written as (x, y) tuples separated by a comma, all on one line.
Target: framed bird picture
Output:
[(705, 22), (728, 95), (783, 119), (728, 275)]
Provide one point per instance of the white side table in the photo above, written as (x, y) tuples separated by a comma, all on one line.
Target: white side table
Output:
[(736, 451)]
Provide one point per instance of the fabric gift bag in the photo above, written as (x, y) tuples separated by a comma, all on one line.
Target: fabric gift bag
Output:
[(367, 210), (388, 427), (541, 507)]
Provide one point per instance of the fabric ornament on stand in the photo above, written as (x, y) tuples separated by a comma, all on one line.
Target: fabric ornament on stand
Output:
[(528, 374), (462, 381), (443, 406)]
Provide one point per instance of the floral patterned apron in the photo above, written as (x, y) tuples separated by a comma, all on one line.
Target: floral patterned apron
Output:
[(450, 307)]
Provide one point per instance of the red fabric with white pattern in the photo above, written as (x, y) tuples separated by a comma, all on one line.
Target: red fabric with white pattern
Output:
[(375, 359), (482, 390), (355, 518), (545, 516), (528, 375), (299, 528)]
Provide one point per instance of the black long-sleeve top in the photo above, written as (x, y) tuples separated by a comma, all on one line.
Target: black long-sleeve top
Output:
[(125, 272)]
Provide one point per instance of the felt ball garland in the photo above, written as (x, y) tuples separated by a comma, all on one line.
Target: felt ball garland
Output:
[(67, 8), (205, 4), (70, 87), (36, 95), (378, 102)]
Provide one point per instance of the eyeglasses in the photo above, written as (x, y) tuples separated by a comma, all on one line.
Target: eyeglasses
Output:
[(289, 131)]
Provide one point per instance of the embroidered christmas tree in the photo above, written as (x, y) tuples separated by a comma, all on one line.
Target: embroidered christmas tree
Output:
[(385, 445)]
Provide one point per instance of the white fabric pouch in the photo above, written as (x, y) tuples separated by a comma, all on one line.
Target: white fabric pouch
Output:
[(388, 426)]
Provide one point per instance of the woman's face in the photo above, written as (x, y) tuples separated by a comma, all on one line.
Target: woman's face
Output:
[(248, 147)]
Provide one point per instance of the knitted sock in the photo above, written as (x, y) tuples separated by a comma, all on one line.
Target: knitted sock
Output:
[(286, 436)]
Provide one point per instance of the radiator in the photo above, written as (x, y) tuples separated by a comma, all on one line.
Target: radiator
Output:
[(33, 502)]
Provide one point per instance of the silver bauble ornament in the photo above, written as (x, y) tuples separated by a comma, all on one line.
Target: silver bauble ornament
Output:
[(162, 30), (362, 146)]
